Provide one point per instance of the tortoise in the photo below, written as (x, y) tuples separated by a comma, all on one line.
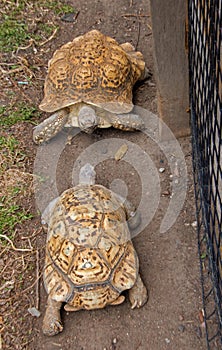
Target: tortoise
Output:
[(89, 85), (90, 259)]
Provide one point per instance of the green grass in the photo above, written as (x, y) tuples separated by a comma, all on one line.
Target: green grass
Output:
[(45, 30), (12, 115), (12, 34), (58, 7), (8, 144), (11, 153), (11, 213), (16, 22)]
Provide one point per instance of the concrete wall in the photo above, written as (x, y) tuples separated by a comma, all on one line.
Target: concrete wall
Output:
[(171, 63)]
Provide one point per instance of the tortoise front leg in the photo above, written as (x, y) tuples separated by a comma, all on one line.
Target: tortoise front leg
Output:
[(132, 215), (138, 294), (128, 122), (50, 127), (52, 324)]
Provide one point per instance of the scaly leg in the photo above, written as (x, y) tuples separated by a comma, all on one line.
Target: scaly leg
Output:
[(128, 122), (50, 127), (138, 294), (146, 74), (52, 324), (132, 215)]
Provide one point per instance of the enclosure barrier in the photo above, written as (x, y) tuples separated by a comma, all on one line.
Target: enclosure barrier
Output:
[(205, 51)]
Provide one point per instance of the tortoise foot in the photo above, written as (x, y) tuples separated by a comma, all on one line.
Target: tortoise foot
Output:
[(52, 327), (138, 295), (52, 324)]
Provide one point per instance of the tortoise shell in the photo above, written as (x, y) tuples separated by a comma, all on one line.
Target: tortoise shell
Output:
[(90, 259), (93, 69)]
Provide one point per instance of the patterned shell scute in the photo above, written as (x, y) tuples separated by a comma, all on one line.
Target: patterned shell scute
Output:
[(88, 216), (90, 259), (94, 69)]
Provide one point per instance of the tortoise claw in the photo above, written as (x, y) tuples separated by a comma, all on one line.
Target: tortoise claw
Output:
[(138, 295), (134, 305), (52, 328)]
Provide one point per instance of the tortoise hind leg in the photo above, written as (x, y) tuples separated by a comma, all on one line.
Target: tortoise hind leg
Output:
[(138, 294), (52, 324), (50, 127)]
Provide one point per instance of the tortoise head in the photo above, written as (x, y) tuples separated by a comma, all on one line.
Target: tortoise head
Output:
[(87, 174), (87, 119)]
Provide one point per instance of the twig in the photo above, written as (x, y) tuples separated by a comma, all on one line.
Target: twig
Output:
[(50, 38), (13, 246), (27, 342), (7, 64), (32, 285), (31, 41), (23, 262), (134, 15), (11, 71), (37, 280), (35, 232), (20, 91), (2, 252), (138, 36), (22, 66)]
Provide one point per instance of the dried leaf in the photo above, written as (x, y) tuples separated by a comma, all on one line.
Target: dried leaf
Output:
[(121, 152)]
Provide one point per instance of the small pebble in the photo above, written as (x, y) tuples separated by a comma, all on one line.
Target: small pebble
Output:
[(69, 17), (194, 224), (181, 318), (165, 193), (199, 332), (161, 170), (176, 170), (181, 328), (34, 312), (114, 341), (104, 150), (167, 340)]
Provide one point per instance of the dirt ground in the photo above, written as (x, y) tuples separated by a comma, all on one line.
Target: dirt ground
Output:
[(168, 261)]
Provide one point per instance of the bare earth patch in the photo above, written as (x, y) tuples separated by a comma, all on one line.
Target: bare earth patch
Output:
[(169, 261)]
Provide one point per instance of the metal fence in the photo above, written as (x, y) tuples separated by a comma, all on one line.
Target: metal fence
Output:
[(205, 52)]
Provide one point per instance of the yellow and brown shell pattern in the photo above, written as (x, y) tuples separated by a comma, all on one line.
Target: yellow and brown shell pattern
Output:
[(94, 69), (90, 259)]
